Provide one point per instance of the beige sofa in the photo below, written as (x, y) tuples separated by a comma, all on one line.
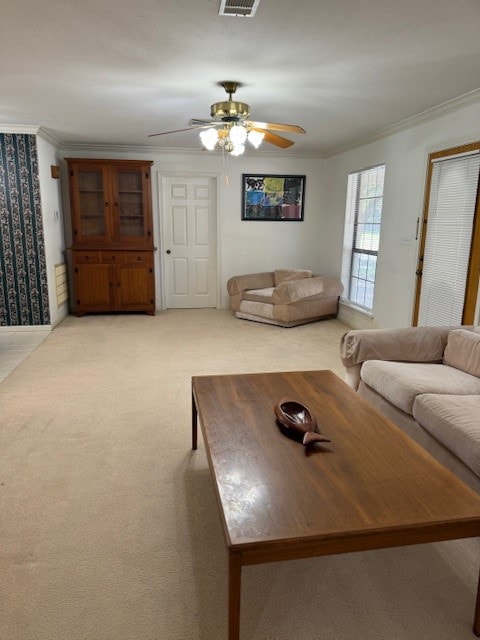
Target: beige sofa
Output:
[(427, 380), (285, 297)]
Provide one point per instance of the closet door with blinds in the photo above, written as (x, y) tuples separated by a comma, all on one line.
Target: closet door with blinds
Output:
[(448, 241)]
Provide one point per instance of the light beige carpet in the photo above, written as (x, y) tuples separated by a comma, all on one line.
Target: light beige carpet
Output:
[(109, 529)]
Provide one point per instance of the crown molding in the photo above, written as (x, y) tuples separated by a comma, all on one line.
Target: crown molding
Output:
[(19, 128), (148, 149), (442, 109), (48, 136)]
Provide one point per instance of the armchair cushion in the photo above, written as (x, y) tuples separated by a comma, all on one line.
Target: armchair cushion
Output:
[(259, 295)]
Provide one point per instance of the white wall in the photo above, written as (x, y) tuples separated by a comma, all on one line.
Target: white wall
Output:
[(244, 246), (405, 154), (50, 192)]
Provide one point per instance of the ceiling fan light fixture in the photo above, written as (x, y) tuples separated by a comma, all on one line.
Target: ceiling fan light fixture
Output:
[(237, 150), (255, 138), (209, 138), (238, 134)]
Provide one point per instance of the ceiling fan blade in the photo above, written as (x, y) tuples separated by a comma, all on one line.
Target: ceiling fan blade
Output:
[(273, 138), (164, 133), (292, 128), (204, 123)]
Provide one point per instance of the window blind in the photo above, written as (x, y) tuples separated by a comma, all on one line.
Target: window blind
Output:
[(451, 210)]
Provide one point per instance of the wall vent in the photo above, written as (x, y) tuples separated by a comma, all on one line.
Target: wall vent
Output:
[(61, 284), (242, 8)]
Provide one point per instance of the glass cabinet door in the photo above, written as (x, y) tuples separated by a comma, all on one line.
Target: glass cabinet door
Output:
[(92, 205), (130, 203)]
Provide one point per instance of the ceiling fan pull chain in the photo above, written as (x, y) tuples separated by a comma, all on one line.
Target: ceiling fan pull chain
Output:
[(225, 158)]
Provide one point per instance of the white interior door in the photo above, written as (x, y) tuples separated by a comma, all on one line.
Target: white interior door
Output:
[(189, 242)]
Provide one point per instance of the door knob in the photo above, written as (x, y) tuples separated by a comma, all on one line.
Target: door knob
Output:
[(168, 251)]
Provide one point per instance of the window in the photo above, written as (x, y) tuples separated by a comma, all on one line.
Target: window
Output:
[(363, 217)]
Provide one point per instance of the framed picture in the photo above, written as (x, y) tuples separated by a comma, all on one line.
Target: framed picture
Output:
[(272, 197)]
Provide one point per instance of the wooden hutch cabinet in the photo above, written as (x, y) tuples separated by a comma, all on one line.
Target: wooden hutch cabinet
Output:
[(112, 249)]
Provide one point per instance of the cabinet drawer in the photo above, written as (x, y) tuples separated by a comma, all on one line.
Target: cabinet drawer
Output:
[(86, 257), (113, 257), (138, 257)]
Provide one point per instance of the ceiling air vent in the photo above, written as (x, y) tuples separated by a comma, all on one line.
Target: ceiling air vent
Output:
[(243, 8)]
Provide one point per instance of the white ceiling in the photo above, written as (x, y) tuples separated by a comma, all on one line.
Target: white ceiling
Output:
[(113, 71)]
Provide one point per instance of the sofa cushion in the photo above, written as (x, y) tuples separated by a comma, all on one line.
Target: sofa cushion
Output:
[(285, 275), (455, 422), (259, 295), (463, 351), (401, 382)]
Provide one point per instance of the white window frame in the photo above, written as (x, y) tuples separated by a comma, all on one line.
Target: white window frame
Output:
[(350, 250)]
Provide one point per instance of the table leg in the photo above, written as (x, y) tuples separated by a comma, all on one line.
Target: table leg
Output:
[(194, 423), (476, 621), (234, 587)]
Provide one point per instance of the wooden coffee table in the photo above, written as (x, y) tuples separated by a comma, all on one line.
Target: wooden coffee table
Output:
[(371, 487)]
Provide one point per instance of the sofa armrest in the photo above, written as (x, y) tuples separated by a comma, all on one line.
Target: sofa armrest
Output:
[(352, 376), (306, 289), (237, 284), (410, 344)]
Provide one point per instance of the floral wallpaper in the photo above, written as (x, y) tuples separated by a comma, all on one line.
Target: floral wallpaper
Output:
[(23, 275)]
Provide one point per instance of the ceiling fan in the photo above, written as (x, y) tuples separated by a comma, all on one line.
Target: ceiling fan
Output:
[(230, 128)]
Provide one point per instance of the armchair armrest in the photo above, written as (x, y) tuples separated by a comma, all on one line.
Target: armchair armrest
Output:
[(305, 289), (237, 284)]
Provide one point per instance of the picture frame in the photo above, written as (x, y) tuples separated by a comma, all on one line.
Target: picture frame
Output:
[(273, 197)]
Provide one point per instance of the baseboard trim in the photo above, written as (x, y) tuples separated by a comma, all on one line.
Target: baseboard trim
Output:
[(26, 327)]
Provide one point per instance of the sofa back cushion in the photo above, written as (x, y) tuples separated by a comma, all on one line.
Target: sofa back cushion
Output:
[(285, 275), (463, 351)]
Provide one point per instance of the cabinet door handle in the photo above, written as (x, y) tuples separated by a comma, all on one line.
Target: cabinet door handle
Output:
[(106, 204), (168, 251)]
